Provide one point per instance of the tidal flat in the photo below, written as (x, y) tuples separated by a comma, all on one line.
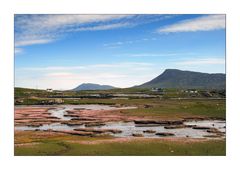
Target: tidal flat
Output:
[(124, 127)]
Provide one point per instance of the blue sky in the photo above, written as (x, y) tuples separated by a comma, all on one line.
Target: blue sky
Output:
[(63, 51)]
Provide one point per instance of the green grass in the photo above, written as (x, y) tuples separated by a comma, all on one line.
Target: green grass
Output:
[(163, 107), (137, 148), (160, 107), (183, 108), (34, 96)]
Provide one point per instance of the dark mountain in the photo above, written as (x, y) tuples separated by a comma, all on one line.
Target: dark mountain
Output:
[(173, 78), (90, 86)]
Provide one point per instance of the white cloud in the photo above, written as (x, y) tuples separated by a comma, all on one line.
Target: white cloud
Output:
[(53, 68), (38, 23), (204, 23), (18, 50), (104, 27), (206, 61), (32, 42), (86, 67), (119, 43), (155, 54), (59, 74), (58, 21), (41, 29)]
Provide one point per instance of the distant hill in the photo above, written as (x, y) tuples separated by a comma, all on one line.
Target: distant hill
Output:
[(90, 86), (173, 78)]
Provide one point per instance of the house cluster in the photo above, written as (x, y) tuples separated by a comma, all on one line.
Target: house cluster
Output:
[(52, 101), (158, 90), (49, 90), (191, 91), (19, 101), (155, 89)]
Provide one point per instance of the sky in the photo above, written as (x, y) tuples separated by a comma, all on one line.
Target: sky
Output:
[(64, 51)]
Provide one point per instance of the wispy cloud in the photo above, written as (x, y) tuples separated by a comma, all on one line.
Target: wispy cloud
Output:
[(59, 74), (53, 68), (155, 54), (38, 23), (42, 29), (18, 50), (128, 42), (87, 67), (205, 61), (32, 42), (104, 27), (204, 23)]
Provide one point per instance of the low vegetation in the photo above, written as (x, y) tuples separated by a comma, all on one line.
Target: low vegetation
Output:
[(60, 144)]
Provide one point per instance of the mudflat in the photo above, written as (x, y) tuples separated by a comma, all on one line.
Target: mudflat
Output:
[(108, 129)]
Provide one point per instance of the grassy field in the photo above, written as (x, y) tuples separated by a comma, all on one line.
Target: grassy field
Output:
[(164, 108), (34, 96), (60, 145), (168, 108), (184, 108), (171, 108)]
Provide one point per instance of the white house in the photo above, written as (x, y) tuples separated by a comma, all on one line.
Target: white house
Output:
[(49, 90)]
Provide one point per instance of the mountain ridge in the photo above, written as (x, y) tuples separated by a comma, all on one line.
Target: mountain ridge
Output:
[(92, 86), (174, 78)]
